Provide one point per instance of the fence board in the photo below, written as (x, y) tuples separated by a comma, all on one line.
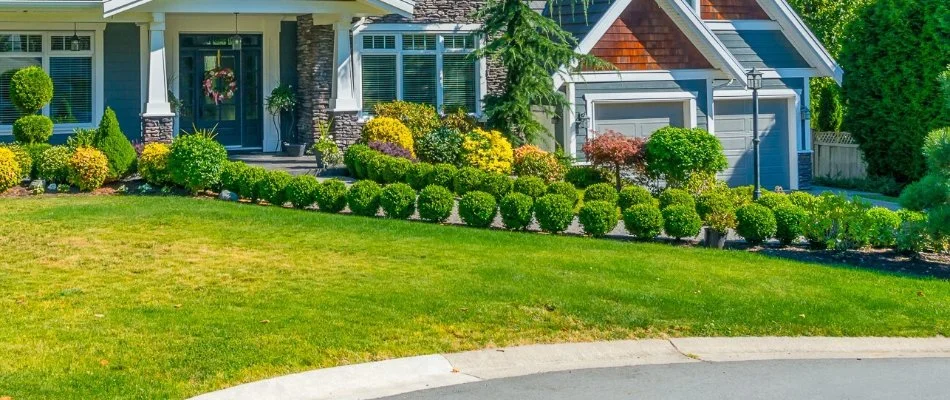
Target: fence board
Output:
[(838, 156)]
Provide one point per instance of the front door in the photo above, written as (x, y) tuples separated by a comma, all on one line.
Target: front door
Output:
[(236, 119)]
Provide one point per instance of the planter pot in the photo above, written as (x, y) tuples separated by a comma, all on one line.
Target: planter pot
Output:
[(295, 150), (319, 156), (715, 239)]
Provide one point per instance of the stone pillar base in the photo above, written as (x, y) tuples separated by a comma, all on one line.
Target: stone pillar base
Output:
[(158, 129), (346, 128), (804, 171)]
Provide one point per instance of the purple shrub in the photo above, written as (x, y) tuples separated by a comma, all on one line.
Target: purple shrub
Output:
[(392, 149)]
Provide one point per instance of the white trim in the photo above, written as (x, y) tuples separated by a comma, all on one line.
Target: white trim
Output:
[(570, 118), (710, 106), (686, 98), (600, 27), (287, 7), (440, 28), (743, 25), (802, 38), (806, 125), (641, 76)]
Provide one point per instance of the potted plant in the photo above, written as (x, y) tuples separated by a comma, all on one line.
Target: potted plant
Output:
[(281, 100), (325, 150), (719, 214)]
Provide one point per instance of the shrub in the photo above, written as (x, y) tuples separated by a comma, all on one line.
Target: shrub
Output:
[(674, 154), (717, 209), (532, 186), (195, 161), (52, 164), (771, 200), (375, 165), (680, 221), (442, 145), (529, 160), (643, 221), (82, 137), (32, 129), (756, 223), (938, 225), (392, 150), (601, 192), (88, 168), (22, 158), (702, 182), (804, 200), (598, 217), (418, 175), (487, 151), (875, 184), (912, 235), (35, 150), (582, 177), (273, 187), (419, 118), (398, 201), (231, 175), (459, 120), (395, 169), (468, 179), (497, 185), (302, 191), (389, 130), (517, 209), (153, 164), (249, 183), (884, 226), (31, 89), (830, 110), (930, 191), (676, 197), (117, 148), (363, 198), (331, 196), (443, 175), (789, 223), (564, 189), (355, 158), (554, 212), (937, 148), (615, 152), (632, 195), (9, 170), (742, 195), (435, 203), (478, 209)]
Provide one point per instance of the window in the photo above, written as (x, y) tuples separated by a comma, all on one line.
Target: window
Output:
[(419, 67), (71, 72)]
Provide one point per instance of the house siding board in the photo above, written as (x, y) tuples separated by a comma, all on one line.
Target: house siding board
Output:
[(572, 17), (288, 68), (796, 84), (762, 49), (122, 68), (732, 10)]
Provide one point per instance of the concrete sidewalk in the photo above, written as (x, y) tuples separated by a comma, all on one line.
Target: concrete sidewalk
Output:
[(392, 377)]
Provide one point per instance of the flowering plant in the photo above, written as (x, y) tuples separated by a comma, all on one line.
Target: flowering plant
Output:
[(615, 151), (220, 84)]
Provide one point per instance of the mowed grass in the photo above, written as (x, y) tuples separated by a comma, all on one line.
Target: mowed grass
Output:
[(169, 297)]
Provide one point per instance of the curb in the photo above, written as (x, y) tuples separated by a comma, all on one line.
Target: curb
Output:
[(392, 377)]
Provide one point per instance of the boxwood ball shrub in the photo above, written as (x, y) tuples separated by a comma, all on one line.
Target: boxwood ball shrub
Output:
[(789, 223), (554, 212), (773, 200), (756, 223), (478, 209), (671, 197), (153, 164), (601, 192), (398, 201), (442, 145), (884, 226), (33, 129), (564, 189), (532, 186), (113, 143), (52, 164), (802, 199), (302, 191), (375, 165), (487, 150), (681, 221), (674, 154), (582, 177), (632, 195), (498, 185), (363, 198), (272, 187), (355, 158), (395, 169), (598, 217), (88, 168), (31, 89), (331, 196), (418, 175), (9, 170), (468, 179), (23, 159), (435, 203), (231, 175), (389, 130), (643, 221), (517, 210), (195, 161), (250, 183), (443, 175)]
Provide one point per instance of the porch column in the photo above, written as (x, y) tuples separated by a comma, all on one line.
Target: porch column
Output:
[(158, 119), (343, 97)]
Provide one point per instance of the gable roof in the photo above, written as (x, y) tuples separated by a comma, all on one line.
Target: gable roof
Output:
[(802, 38)]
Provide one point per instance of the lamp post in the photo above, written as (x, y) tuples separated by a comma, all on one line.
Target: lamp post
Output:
[(755, 83)]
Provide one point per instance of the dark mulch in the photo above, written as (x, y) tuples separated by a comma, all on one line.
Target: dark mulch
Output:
[(925, 265)]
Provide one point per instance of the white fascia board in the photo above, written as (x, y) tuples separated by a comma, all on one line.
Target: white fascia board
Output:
[(30, 4), (802, 38), (600, 28), (440, 28), (113, 7), (701, 35), (645, 76), (400, 7), (742, 25)]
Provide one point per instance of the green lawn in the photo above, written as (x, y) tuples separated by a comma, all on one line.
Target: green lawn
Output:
[(167, 297)]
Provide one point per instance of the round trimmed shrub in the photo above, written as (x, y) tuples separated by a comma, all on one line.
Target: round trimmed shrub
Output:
[(756, 223), (582, 177), (52, 164), (442, 145), (532, 186), (33, 129), (23, 159), (598, 217), (771, 200), (884, 226), (632, 195), (389, 130), (529, 160), (554, 212), (435, 203), (789, 223), (9, 170), (478, 209), (498, 185), (398, 201), (395, 169), (363, 198), (355, 159), (302, 191), (681, 221), (601, 192), (674, 154), (487, 150), (443, 175), (418, 175), (249, 183), (231, 176), (711, 201), (517, 209), (195, 161), (375, 165), (643, 221), (88, 168), (468, 179), (31, 89), (676, 197), (331, 196), (564, 189), (802, 199), (153, 164), (273, 187)]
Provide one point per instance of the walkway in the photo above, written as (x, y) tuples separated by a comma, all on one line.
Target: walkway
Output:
[(873, 198), (305, 165)]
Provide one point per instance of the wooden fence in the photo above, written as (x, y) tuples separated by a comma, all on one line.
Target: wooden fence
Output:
[(837, 156)]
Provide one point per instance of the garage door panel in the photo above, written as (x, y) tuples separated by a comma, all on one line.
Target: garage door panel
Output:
[(637, 119), (734, 129)]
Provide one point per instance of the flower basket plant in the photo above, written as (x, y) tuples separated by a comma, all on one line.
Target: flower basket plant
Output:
[(325, 149), (283, 100)]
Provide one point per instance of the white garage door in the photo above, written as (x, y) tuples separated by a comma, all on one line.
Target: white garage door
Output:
[(734, 129), (637, 119)]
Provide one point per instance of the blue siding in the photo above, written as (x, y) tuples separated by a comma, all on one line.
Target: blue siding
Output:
[(762, 49), (570, 14), (288, 68), (123, 91)]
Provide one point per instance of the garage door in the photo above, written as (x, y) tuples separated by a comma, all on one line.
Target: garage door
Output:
[(734, 129), (637, 119)]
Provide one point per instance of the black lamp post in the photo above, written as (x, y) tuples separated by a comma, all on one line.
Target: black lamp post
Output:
[(755, 83)]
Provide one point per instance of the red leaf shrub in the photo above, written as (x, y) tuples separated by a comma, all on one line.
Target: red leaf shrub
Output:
[(615, 151)]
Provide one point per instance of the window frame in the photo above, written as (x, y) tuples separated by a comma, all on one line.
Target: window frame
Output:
[(440, 51)]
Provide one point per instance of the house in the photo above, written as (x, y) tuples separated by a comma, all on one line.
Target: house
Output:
[(679, 62)]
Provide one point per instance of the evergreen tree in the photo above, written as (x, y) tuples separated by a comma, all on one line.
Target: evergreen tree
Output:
[(117, 148)]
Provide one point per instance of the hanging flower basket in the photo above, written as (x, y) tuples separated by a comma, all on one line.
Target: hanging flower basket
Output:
[(220, 84)]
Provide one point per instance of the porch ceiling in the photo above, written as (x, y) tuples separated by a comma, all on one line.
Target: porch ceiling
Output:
[(295, 7)]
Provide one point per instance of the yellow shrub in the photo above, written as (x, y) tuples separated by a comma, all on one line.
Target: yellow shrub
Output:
[(389, 130), (419, 118), (529, 160), (88, 168), (487, 151), (9, 169), (153, 164)]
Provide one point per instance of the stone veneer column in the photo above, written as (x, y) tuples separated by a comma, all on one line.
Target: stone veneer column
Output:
[(157, 129), (804, 170), (158, 119)]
